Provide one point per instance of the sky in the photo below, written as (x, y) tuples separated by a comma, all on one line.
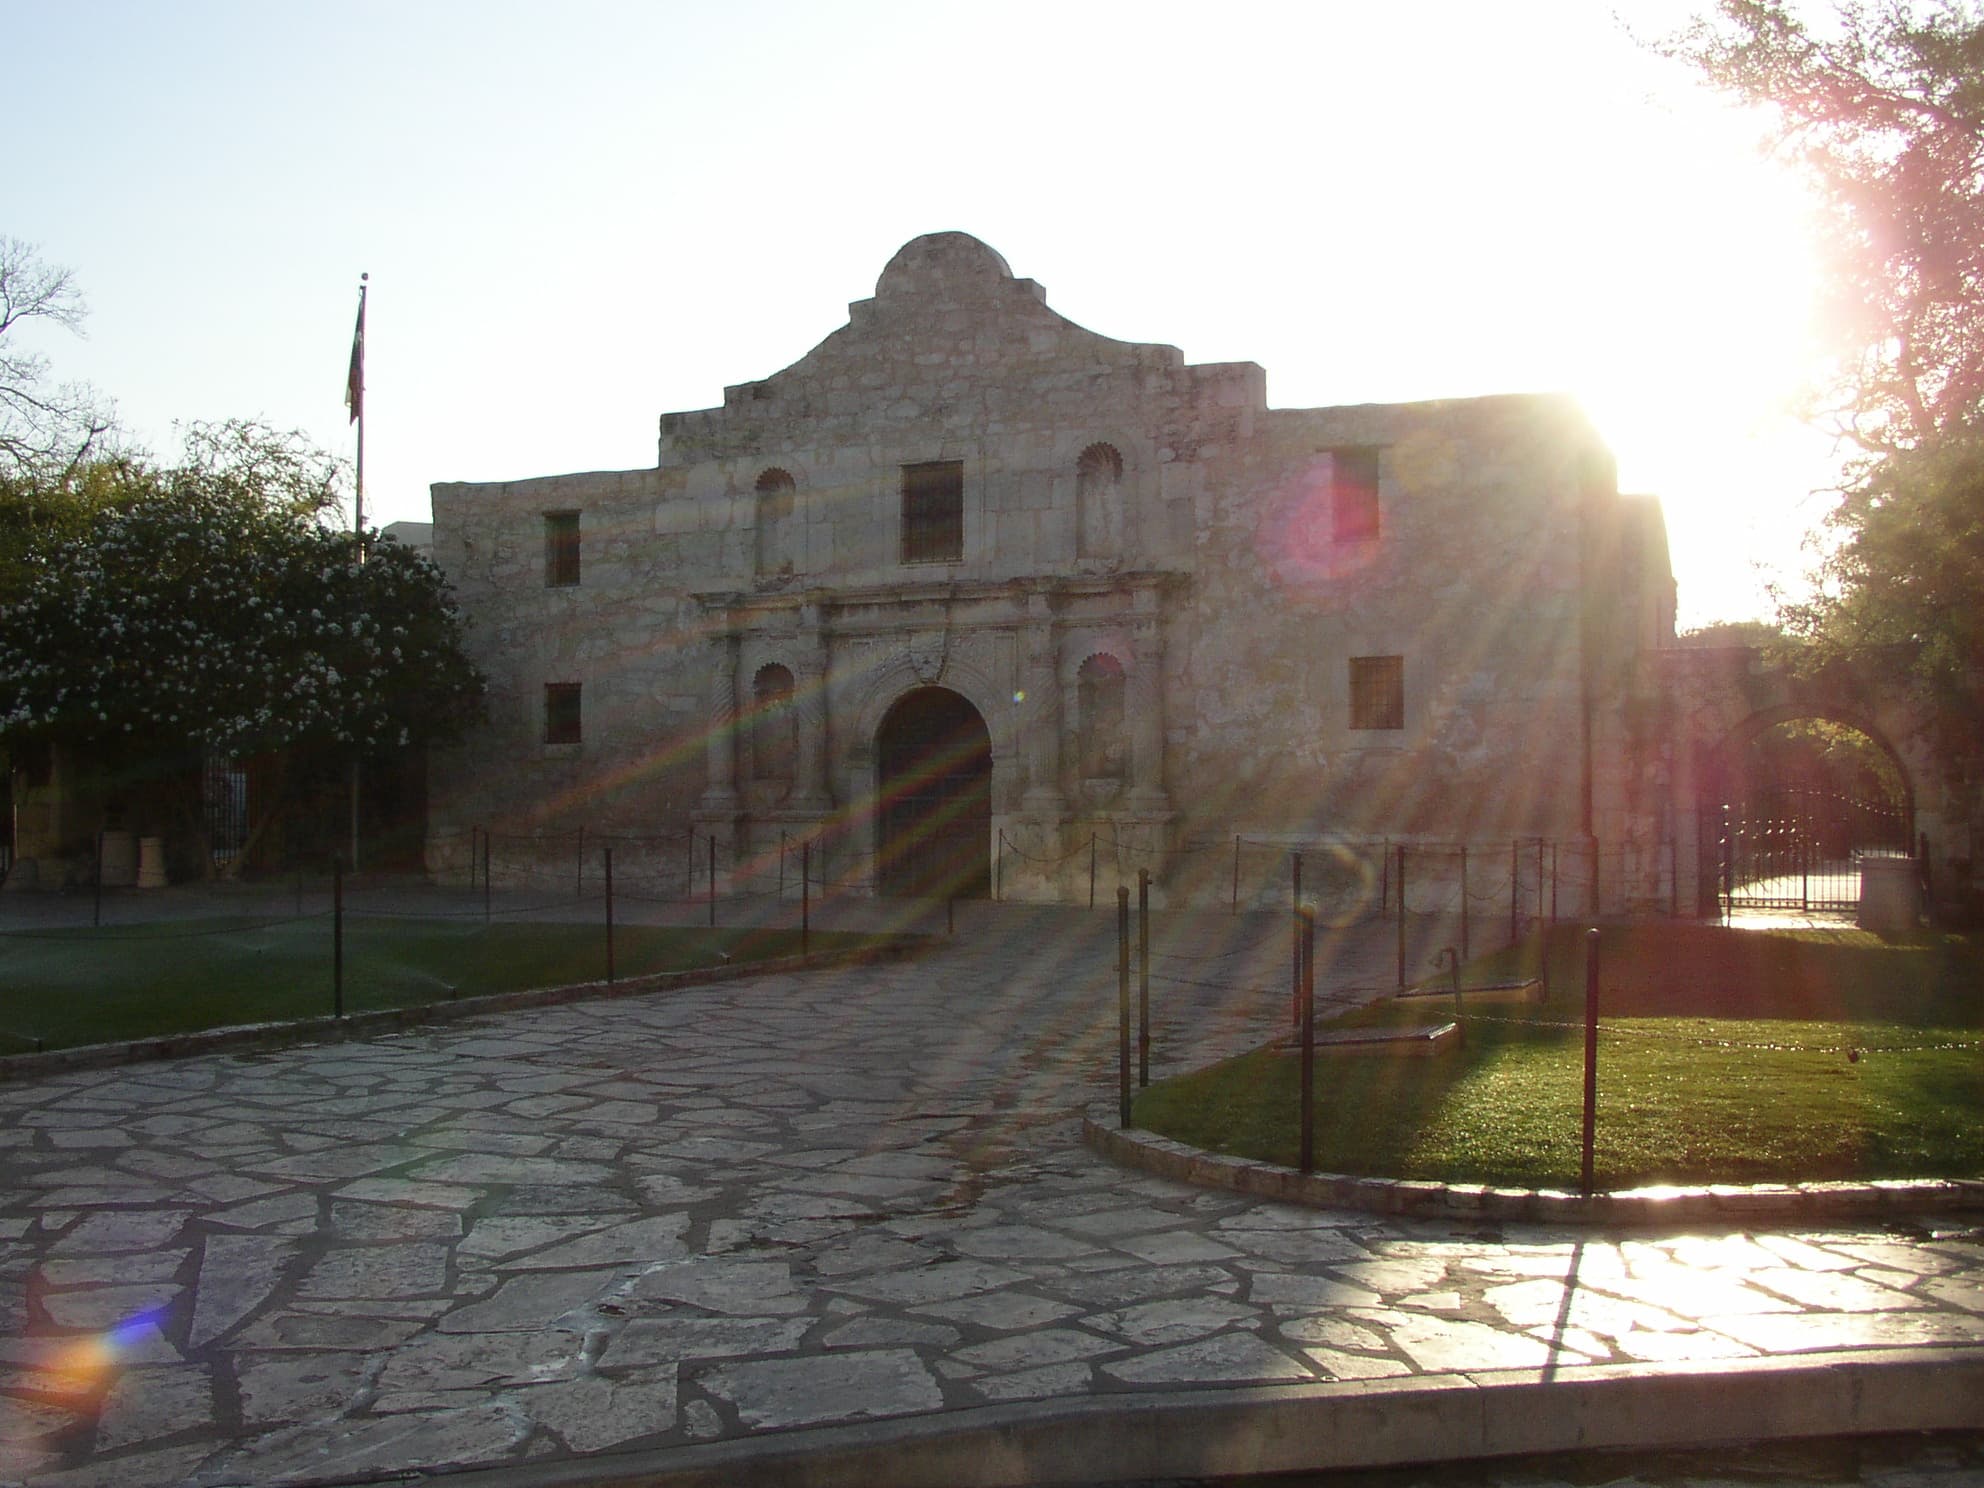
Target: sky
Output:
[(577, 217)]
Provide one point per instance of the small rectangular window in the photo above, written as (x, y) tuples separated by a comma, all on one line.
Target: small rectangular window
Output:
[(561, 713), (561, 549), (933, 512), (1377, 692), (1354, 494)]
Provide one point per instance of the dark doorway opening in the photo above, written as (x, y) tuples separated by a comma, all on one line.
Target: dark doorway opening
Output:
[(934, 762)]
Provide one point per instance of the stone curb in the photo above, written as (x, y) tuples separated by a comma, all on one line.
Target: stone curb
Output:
[(1219, 1431), (1776, 1203), (372, 1024)]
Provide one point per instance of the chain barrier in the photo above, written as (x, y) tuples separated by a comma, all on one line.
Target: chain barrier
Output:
[(478, 914), (122, 933), (1010, 846)]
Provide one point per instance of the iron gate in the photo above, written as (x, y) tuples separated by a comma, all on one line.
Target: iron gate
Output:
[(225, 797), (1801, 849)]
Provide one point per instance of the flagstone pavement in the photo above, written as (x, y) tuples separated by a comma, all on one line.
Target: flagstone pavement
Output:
[(786, 1201)]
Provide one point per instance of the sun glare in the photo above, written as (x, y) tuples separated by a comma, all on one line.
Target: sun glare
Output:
[(1700, 352)]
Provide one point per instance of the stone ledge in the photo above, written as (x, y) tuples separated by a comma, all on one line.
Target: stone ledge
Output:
[(242, 1037), (1250, 1430), (1417, 1198)]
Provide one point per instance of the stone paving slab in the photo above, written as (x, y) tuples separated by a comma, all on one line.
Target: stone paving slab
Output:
[(585, 1237)]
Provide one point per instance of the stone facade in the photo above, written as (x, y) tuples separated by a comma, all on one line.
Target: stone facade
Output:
[(1180, 615)]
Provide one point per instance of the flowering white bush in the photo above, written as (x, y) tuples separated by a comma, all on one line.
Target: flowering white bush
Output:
[(205, 610)]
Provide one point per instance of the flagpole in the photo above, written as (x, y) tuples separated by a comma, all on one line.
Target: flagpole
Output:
[(358, 417), (355, 399)]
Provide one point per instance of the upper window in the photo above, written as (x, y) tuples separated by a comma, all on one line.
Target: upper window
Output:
[(561, 713), (1377, 692), (561, 549), (933, 512), (1354, 494)]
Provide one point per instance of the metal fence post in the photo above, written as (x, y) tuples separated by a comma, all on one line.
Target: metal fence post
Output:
[(1295, 902), (1515, 891), (1728, 874), (609, 916), (1123, 1005), (1590, 1052), (1306, 920), (337, 937), (1805, 858), (1143, 977), (1401, 914), (1463, 902)]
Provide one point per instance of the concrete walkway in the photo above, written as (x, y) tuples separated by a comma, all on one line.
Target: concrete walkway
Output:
[(840, 1227)]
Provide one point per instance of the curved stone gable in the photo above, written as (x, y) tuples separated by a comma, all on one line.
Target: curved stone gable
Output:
[(950, 335)]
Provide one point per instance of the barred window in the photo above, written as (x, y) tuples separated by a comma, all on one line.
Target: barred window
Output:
[(1377, 692), (561, 549), (561, 713), (933, 512)]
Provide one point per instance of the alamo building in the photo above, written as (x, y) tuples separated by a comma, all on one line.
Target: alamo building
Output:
[(969, 594)]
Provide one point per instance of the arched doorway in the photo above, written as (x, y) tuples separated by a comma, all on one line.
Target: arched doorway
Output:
[(933, 758)]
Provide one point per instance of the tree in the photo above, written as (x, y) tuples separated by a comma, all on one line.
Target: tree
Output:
[(1884, 112), (204, 610), (46, 429), (1904, 586), (1882, 107), (1759, 633)]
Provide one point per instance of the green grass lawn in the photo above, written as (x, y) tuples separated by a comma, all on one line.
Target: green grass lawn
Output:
[(92, 986), (1723, 1057)]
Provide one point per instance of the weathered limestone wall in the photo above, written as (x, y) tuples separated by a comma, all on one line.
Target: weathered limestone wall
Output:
[(1474, 581), (1117, 505)]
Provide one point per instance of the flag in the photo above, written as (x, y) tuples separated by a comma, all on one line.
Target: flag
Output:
[(354, 382)]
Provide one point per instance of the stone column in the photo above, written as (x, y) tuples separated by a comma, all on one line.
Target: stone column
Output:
[(1145, 705), (1043, 688), (810, 792), (720, 747)]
